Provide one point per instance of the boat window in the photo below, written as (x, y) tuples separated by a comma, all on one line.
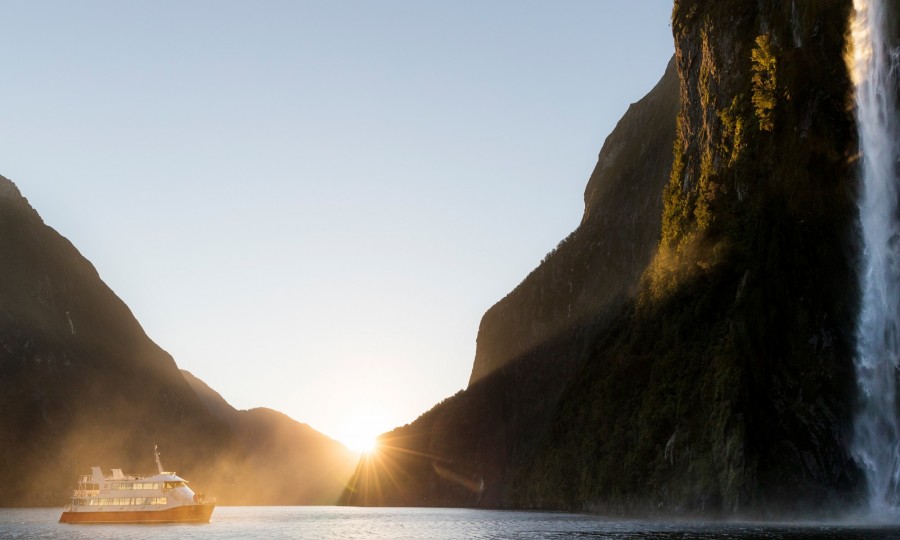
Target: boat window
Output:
[(119, 486), (121, 501)]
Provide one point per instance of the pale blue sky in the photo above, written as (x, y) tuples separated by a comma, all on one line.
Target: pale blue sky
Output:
[(311, 204)]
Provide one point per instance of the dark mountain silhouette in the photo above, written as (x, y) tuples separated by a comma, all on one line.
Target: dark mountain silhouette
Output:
[(81, 384), (688, 349)]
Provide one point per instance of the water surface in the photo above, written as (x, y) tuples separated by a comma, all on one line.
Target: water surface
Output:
[(298, 522)]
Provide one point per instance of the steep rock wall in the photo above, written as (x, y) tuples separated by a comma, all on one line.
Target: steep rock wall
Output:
[(738, 353)]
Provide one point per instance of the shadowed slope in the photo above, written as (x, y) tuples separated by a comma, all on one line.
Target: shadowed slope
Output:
[(82, 385), (470, 448), (80, 381)]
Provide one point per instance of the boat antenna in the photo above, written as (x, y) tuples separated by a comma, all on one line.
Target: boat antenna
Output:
[(156, 455)]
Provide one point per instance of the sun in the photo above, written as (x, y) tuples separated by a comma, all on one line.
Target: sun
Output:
[(360, 432), (363, 444)]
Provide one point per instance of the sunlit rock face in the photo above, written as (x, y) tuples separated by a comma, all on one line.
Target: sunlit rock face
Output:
[(718, 378), (596, 269)]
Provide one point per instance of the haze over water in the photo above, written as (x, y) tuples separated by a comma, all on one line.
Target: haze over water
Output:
[(417, 523)]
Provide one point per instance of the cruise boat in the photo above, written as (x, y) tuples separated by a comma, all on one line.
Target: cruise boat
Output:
[(136, 498)]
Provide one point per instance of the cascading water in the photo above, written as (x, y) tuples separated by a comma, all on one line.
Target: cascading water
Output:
[(875, 71)]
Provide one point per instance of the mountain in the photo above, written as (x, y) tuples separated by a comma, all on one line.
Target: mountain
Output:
[(311, 468), (689, 348), (81, 384), (468, 449)]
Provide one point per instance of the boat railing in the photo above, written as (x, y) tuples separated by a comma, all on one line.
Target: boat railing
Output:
[(133, 476), (88, 479)]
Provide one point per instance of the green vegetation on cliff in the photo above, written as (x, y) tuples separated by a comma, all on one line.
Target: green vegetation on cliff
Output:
[(765, 82), (729, 386)]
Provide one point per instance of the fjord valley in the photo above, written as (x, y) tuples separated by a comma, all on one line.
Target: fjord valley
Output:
[(708, 342)]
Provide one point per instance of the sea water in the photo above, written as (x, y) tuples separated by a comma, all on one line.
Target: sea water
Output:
[(298, 522)]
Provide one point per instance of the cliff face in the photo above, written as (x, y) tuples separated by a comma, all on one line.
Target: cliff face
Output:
[(81, 384), (763, 195), (739, 350), (592, 272), (471, 448), (724, 382)]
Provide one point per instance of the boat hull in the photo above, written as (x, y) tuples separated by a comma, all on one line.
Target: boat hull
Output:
[(192, 513)]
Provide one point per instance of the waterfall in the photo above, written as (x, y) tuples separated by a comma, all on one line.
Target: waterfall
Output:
[(874, 69)]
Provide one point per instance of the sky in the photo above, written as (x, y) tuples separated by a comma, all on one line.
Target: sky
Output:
[(311, 204)]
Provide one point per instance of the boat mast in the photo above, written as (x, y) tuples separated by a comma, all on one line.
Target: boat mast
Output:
[(156, 455)]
